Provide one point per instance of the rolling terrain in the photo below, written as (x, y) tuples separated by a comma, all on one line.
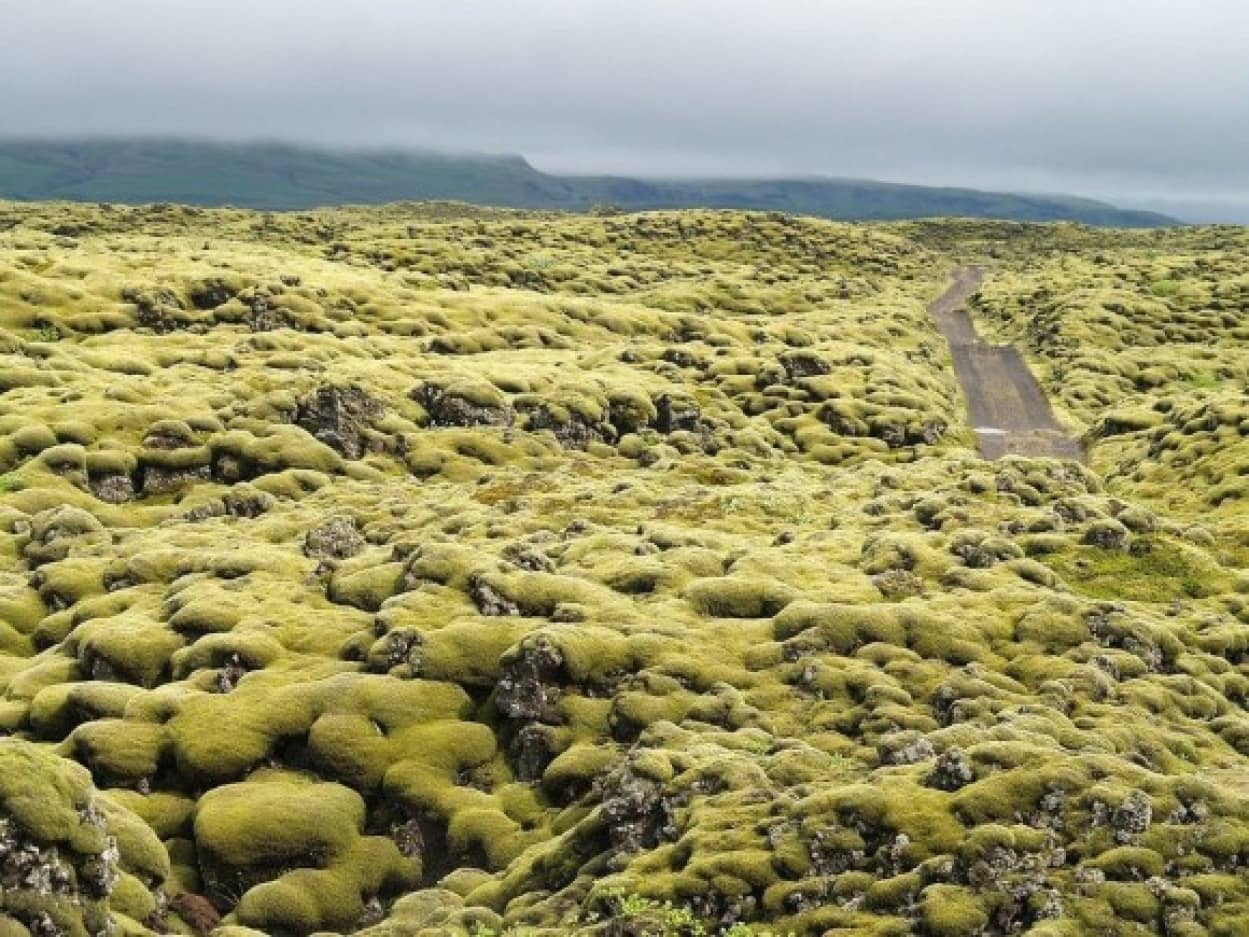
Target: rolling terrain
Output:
[(280, 176), (442, 570)]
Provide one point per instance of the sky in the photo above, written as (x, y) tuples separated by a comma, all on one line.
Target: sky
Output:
[(1144, 102)]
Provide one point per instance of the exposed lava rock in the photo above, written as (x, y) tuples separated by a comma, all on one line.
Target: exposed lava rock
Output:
[(339, 417), (463, 405), (338, 538)]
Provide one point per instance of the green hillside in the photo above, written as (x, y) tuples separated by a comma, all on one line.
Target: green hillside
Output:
[(277, 176)]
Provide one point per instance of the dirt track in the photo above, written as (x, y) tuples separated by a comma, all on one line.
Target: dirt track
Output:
[(1008, 409)]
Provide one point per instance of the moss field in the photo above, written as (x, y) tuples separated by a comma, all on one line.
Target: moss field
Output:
[(431, 570)]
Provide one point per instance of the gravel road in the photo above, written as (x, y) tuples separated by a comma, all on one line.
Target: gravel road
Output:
[(1008, 409)]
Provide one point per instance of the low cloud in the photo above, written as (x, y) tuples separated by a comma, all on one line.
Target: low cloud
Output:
[(1131, 99)]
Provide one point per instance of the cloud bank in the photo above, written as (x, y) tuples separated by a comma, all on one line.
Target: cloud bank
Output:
[(1137, 100)]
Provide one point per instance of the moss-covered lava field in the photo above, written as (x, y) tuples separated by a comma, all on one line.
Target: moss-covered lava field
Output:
[(431, 570)]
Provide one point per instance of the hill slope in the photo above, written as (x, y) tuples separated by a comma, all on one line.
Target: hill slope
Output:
[(279, 176)]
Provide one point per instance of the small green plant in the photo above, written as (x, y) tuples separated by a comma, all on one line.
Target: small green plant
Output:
[(1203, 380), (758, 746), (839, 762), (658, 919), (681, 922), (47, 333), (631, 905), (539, 261), (11, 481)]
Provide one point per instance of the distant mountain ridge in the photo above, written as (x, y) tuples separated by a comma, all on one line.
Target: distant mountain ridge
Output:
[(279, 176)]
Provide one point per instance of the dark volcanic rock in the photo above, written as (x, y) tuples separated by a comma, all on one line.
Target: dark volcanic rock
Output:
[(447, 408), (952, 771), (339, 417), (113, 487), (338, 538), (525, 691), (209, 294), (1107, 534), (532, 750), (800, 364), (637, 813), (898, 584), (60, 864), (1132, 817), (156, 480), (675, 414), (490, 601), (575, 431)]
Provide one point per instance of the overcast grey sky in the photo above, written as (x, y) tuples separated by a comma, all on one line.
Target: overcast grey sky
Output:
[(1140, 100)]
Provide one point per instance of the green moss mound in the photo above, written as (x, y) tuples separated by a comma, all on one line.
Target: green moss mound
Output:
[(425, 570), (72, 862)]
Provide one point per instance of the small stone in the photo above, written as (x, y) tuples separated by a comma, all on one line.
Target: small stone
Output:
[(338, 538)]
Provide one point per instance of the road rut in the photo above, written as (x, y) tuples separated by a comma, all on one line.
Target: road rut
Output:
[(1009, 411)]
